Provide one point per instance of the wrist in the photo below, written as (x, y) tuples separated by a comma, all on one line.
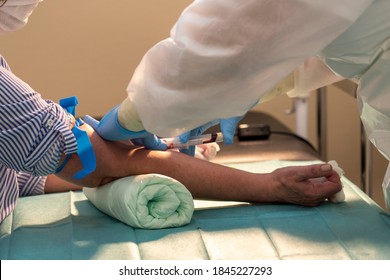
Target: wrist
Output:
[(273, 186)]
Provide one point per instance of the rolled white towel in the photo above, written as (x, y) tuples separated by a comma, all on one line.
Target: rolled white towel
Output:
[(150, 201)]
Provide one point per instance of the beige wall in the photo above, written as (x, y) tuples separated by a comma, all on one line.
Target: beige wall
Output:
[(91, 51), (89, 48)]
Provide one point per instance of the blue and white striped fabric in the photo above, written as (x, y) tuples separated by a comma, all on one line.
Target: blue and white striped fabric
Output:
[(33, 135), (13, 185)]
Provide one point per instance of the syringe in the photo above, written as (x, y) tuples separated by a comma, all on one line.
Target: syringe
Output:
[(174, 143)]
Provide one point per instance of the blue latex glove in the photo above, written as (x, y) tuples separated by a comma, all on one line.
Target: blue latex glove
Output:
[(110, 129), (228, 129)]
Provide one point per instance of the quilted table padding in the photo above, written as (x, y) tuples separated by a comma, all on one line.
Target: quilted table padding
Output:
[(68, 226)]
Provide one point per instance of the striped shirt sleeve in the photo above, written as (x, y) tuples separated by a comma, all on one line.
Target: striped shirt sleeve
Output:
[(34, 132), (33, 135), (9, 191), (4, 64), (14, 185), (31, 185)]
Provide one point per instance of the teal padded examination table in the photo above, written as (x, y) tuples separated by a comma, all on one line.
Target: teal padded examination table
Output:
[(68, 226)]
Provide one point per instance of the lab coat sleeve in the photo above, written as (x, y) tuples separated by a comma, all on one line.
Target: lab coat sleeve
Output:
[(223, 55), (363, 53)]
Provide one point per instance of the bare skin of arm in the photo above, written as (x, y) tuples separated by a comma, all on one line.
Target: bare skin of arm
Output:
[(307, 185), (55, 184)]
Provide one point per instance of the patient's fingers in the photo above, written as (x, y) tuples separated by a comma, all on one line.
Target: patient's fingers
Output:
[(325, 186), (314, 171)]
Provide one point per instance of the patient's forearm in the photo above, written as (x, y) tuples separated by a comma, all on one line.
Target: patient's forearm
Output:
[(205, 179), (54, 184), (202, 178), (306, 185)]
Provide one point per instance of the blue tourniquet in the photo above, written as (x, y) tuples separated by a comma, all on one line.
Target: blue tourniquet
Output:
[(84, 146)]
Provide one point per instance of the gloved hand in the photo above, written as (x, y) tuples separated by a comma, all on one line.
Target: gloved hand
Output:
[(151, 142), (110, 129), (228, 129)]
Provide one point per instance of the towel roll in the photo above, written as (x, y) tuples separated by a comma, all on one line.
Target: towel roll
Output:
[(150, 201)]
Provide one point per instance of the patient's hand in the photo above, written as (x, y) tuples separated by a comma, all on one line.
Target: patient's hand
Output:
[(306, 185)]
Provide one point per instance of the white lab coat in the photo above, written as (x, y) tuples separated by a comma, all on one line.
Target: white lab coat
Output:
[(363, 53), (224, 55)]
